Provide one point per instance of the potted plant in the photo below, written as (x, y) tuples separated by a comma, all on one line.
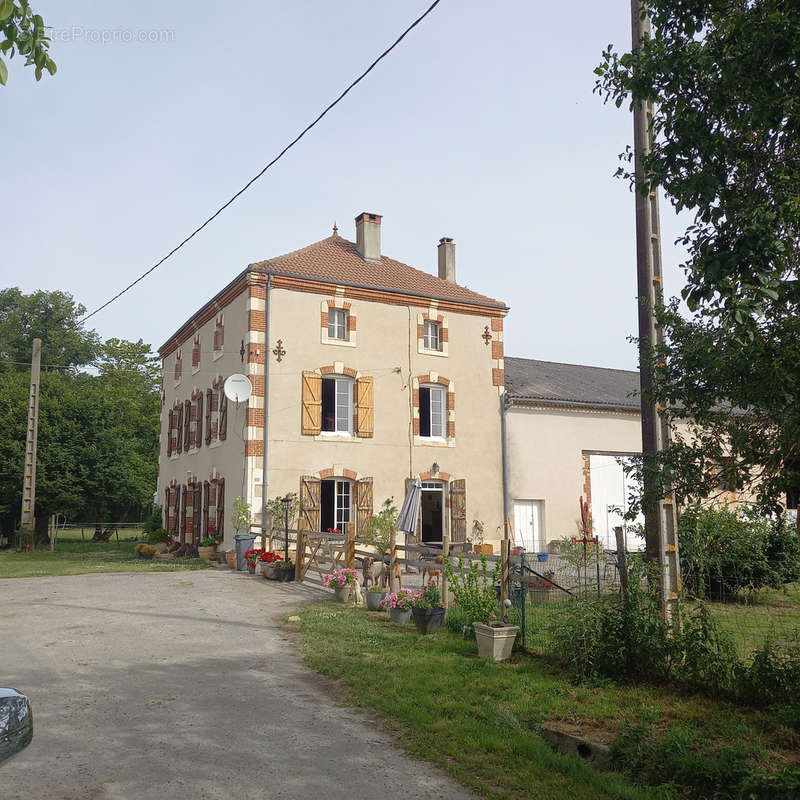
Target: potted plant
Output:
[(269, 562), (375, 595), (230, 558), (206, 548), (399, 605), (284, 570), (427, 609), (341, 581), (251, 558), (477, 536)]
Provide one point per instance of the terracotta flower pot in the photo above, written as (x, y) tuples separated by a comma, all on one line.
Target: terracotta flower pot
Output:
[(230, 558), (206, 552)]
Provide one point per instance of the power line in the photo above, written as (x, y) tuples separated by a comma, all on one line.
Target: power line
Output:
[(274, 160)]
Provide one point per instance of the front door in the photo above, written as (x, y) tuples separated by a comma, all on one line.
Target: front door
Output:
[(432, 511)]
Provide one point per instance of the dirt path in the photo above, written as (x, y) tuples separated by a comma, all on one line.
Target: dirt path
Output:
[(181, 685)]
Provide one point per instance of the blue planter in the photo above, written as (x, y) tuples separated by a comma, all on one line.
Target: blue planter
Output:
[(542, 557)]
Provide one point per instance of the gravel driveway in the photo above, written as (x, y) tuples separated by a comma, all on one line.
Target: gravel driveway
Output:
[(183, 685)]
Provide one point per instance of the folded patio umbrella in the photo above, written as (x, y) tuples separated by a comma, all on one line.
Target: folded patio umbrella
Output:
[(409, 513)]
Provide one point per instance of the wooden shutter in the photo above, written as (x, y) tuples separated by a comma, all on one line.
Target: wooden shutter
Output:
[(417, 537), (198, 434), (182, 528), (366, 414), (187, 424), (204, 528), (197, 517), (179, 429), (167, 506), (364, 504), (220, 509), (311, 422), (209, 392), (223, 415), (310, 491), (458, 510), (169, 433)]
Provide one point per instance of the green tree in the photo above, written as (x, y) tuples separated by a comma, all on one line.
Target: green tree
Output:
[(23, 32), (724, 78), (98, 421)]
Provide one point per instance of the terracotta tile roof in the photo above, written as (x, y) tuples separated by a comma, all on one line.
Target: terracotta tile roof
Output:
[(335, 260)]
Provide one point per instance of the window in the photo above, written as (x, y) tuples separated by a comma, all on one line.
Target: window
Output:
[(432, 406), (337, 405), (335, 503), (432, 335), (178, 366), (337, 324)]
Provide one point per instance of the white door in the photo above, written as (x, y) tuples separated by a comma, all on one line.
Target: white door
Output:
[(528, 525), (610, 490)]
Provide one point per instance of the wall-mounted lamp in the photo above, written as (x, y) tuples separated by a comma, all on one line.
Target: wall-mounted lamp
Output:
[(434, 468)]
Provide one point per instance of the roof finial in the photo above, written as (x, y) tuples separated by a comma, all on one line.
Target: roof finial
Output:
[(335, 229)]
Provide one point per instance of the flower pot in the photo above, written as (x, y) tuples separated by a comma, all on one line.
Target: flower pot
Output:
[(495, 642), (230, 558), (542, 558), (146, 556), (374, 600), (251, 567), (206, 552), (285, 575), (270, 572), (402, 616), (428, 620), (342, 593)]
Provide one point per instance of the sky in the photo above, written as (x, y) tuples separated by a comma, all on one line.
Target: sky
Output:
[(482, 125)]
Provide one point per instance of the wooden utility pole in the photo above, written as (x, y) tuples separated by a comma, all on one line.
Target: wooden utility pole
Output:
[(29, 471), (661, 530)]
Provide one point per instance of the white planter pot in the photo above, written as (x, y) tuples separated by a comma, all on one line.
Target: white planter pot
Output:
[(495, 643)]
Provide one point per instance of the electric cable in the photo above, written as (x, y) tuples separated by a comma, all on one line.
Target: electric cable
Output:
[(274, 161)]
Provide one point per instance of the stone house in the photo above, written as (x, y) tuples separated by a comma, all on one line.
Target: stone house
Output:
[(366, 374)]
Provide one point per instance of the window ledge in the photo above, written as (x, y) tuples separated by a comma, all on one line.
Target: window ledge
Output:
[(195, 370), (218, 354), (337, 437), (339, 342), (177, 383), (215, 443), (434, 442), (425, 352)]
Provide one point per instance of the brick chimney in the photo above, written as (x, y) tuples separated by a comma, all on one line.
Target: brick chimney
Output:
[(368, 236), (447, 259)]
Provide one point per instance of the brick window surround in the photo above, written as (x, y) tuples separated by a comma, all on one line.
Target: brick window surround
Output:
[(178, 366), (444, 335), (340, 304), (196, 354), (219, 336), (434, 379)]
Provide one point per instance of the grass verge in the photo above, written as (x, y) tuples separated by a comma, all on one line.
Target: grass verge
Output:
[(73, 556), (480, 721)]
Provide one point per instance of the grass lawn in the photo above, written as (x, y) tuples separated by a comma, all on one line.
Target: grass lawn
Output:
[(480, 721), (768, 613), (73, 556)]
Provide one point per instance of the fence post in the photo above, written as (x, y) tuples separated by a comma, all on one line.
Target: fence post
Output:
[(349, 548), (392, 561), (524, 592), (300, 556), (504, 551), (622, 565)]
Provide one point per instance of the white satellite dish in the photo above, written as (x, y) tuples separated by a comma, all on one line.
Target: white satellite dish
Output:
[(238, 388)]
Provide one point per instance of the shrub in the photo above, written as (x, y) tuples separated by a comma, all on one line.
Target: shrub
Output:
[(724, 552), (378, 531), (153, 522), (474, 592), (157, 535)]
